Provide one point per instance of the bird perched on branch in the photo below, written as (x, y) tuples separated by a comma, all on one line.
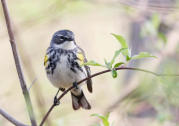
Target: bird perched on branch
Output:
[(64, 67)]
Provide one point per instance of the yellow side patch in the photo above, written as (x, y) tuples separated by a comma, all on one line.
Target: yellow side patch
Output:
[(81, 58), (45, 60)]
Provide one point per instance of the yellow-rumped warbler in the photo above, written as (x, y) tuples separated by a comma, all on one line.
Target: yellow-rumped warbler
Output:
[(63, 63)]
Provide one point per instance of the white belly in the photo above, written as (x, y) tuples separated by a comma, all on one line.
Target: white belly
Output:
[(63, 76)]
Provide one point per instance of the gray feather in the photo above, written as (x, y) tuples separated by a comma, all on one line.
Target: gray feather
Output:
[(80, 101)]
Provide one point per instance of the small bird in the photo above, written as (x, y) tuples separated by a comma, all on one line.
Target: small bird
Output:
[(64, 67)]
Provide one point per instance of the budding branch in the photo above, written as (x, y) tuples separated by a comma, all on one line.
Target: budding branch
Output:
[(94, 75)]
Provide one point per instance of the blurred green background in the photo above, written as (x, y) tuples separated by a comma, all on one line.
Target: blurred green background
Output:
[(150, 26)]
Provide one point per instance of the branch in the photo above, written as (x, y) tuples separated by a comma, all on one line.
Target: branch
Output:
[(133, 84), (97, 74), (18, 66), (11, 119)]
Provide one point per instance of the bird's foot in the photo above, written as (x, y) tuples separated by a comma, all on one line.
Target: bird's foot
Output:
[(55, 101), (75, 85), (62, 89)]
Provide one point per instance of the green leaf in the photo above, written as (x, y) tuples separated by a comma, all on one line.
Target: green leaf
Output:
[(162, 37), (128, 58), (123, 43), (118, 64), (121, 40), (155, 21), (107, 116), (104, 119), (107, 64), (92, 63), (114, 73), (116, 55), (142, 55)]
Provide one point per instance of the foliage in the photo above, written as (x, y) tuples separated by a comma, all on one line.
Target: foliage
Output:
[(125, 51), (142, 55), (151, 28), (105, 119)]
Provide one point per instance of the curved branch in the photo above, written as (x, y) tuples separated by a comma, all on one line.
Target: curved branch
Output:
[(11, 119), (96, 74), (18, 65)]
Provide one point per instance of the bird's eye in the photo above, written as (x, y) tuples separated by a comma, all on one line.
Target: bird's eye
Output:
[(62, 38)]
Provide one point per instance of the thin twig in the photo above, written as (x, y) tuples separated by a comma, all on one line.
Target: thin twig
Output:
[(96, 74), (33, 82), (168, 51), (11, 119), (18, 66), (28, 67)]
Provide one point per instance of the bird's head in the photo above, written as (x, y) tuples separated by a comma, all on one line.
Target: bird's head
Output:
[(63, 39)]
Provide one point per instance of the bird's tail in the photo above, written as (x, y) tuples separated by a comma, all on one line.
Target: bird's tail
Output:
[(80, 101)]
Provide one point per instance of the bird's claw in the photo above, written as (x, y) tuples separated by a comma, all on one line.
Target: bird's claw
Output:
[(62, 89), (75, 85), (56, 102)]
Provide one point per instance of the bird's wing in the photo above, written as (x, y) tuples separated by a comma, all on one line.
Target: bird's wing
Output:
[(48, 63), (82, 57)]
